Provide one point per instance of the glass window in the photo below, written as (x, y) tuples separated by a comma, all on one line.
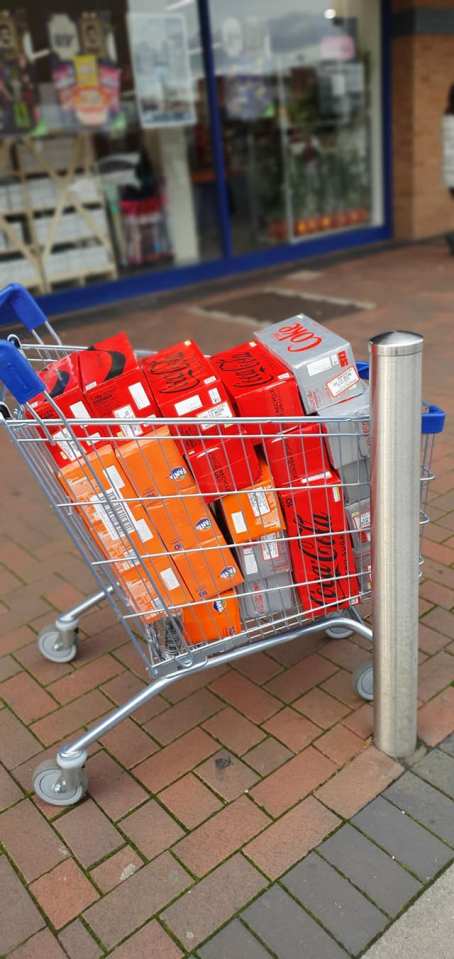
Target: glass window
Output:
[(300, 99), (107, 164)]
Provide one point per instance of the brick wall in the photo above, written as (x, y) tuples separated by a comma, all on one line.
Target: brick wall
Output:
[(423, 70)]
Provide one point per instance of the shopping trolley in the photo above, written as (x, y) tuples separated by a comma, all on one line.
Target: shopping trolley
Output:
[(277, 563)]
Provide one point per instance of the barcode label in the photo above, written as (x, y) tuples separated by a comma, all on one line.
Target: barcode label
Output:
[(215, 412), (270, 548), (67, 444), (259, 503), (343, 382), (250, 564), (115, 517)]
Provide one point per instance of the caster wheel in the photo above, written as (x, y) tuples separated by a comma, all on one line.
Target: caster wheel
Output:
[(363, 682), (51, 646), (339, 632), (58, 787)]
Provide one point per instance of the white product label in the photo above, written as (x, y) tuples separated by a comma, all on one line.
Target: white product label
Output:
[(188, 406), (143, 530), (319, 366), (239, 522), (91, 385), (336, 494), (250, 564), (79, 411), (139, 396), (67, 444), (127, 413), (113, 516), (270, 549), (115, 477), (343, 382), (215, 396), (169, 579), (209, 379), (259, 503), (216, 412), (362, 520), (119, 513)]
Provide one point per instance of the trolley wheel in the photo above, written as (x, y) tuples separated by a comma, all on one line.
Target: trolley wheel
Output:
[(55, 786), (52, 646), (339, 632), (363, 682)]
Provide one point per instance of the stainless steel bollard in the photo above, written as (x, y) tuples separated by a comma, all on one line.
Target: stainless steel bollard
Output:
[(396, 363)]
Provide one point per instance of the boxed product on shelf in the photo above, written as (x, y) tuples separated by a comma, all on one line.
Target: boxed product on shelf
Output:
[(258, 384), (266, 557), (114, 386), (185, 383), (223, 463), (209, 621), (181, 518), (347, 433), (253, 512), (62, 381), (321, 361), (358, 515), (263, 597), (324, 567), (121, 526), (355, 480), (295, 452)]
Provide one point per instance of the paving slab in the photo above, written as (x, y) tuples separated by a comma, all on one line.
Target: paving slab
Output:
[(426, 929), (426, 804), (288, 930), (438, 769), (234, 942)]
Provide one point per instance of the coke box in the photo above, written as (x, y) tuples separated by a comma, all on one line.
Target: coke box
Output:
[(321, 548), (321, 361), (224, 463), (62, 381), (299, 451), (258, 384), (356, 480), (114, 386), (347, 434), (184, 383)]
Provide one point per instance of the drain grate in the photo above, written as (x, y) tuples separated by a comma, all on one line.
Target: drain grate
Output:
[(270, 307)]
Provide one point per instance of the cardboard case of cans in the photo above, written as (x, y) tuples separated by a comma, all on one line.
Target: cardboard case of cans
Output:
[(223, 524)]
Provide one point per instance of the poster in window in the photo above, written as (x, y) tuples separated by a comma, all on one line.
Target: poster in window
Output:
[(85, 71), (18, 90), (162, 73)]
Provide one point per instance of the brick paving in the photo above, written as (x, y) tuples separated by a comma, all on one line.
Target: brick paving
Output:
[(302, 839)]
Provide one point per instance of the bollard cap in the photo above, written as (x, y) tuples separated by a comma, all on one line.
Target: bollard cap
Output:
[(396, 343)]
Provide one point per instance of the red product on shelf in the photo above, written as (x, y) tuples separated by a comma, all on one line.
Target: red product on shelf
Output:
[(323, 562), (225, 463), (114, 386), (259, 384), (62, 381), (299, 451), (184, 383)]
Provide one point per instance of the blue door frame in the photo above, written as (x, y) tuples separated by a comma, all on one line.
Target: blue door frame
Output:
[(126, 287)]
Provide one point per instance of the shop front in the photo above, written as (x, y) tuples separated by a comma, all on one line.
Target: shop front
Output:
[(146, 144)]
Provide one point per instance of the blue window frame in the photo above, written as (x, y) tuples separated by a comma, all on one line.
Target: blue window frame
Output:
[(102, 293)]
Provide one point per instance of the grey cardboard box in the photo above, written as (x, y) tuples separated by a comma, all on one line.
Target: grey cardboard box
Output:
[(347, 435), (267, 597), (355, 481), (363, 567), (358, 515), (321, 361), (269, 556)]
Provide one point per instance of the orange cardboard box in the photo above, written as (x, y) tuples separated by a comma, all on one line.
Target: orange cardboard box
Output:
[(142, 597), (212, 620), (254, 512), (111, 523), (155, 466)]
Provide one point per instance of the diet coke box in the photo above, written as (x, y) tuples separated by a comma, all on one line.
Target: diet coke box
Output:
[(356, 481), (324, 568), (347, 432), (358, 515), (262, 598), (259, 385), (364, 569), (321, 361), (269, 556)]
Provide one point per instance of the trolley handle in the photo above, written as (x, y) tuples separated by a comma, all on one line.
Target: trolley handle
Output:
[(18, 306), (433, 417), (17, 374)]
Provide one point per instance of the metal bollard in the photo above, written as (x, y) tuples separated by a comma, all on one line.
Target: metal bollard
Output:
[(396, 363)]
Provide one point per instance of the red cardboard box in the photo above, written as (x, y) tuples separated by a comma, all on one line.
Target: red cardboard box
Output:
[(114, 386), (259, 384), (62, 381), (324, 567), (224, 463), (299, 451), (184, 383)]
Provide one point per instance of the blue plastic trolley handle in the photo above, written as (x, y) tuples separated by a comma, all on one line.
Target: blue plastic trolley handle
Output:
[(18, 306), (433, 417), (17, 374)]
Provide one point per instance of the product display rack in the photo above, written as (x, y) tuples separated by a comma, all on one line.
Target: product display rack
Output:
[(53, 191)]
